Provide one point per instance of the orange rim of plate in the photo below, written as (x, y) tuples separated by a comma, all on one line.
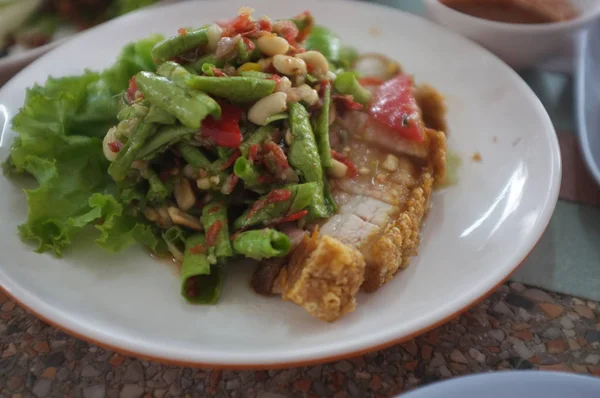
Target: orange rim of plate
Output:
[(291, 364)]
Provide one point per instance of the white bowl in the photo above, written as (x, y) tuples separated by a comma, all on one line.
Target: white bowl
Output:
[(519, 45), (519, 384), (476, 233)]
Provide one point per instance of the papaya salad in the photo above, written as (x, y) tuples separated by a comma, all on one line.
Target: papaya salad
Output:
[(247, 138)]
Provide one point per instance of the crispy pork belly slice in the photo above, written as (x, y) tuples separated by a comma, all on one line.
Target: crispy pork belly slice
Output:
[(433, 107), (323, 276), (437, 155), (392, 247), (386, 234), (349, 228)]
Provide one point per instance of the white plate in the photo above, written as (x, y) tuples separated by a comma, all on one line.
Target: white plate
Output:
[(476, 234), (523, 384)]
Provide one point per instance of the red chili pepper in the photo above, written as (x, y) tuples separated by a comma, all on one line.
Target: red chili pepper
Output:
[(234, 180), (132, 89), (306, 15), (115, 146), (249, 44), (287, 29), (253, 153), (279, 195), (394, 105), (291, 217), (230, 184), (264, 24), (278, 153), (213, 231), (370, 81), (226, 130), (347, 101), (198, 249), (352, 169), (276, 78), (265, 179), (231, 160), (218, 72), (242, 24), (182, 31), (259, 204)]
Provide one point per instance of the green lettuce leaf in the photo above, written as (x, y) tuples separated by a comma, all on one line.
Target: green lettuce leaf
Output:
[(118, 230), (59, 142)]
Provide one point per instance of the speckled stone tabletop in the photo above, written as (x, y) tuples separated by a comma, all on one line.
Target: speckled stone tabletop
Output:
[(514, 328)]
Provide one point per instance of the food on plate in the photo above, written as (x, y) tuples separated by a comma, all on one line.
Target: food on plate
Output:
[(516, 11), (26, 24), (246, 138)]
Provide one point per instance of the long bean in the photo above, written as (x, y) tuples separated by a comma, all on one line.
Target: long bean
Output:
[(158, 115), (264, 211), (207, 59), (157, 191), (234, 88), (179, 75), (200, 283), (322, 130), (261, 244), (257, 137), (118, 169), (347, 84), (247, 172), (164, 138), (216, 225), (304, 156), (173, 46), (167, 95), (193, 156)]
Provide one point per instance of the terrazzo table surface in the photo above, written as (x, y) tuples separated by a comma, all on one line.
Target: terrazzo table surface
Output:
[(514, 328)]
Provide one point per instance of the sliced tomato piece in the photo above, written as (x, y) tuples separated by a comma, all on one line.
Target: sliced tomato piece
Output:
[(394, 105), (226, 130)]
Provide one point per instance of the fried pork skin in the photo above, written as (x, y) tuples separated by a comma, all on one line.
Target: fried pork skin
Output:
[(323, 276)]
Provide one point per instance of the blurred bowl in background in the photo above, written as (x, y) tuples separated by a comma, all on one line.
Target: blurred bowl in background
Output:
[(519, 45), (514, 384)]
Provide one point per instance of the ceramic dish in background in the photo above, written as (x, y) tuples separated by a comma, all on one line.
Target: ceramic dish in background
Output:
[(587, 98), (520, 384), (476, 234), (519, 45)]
